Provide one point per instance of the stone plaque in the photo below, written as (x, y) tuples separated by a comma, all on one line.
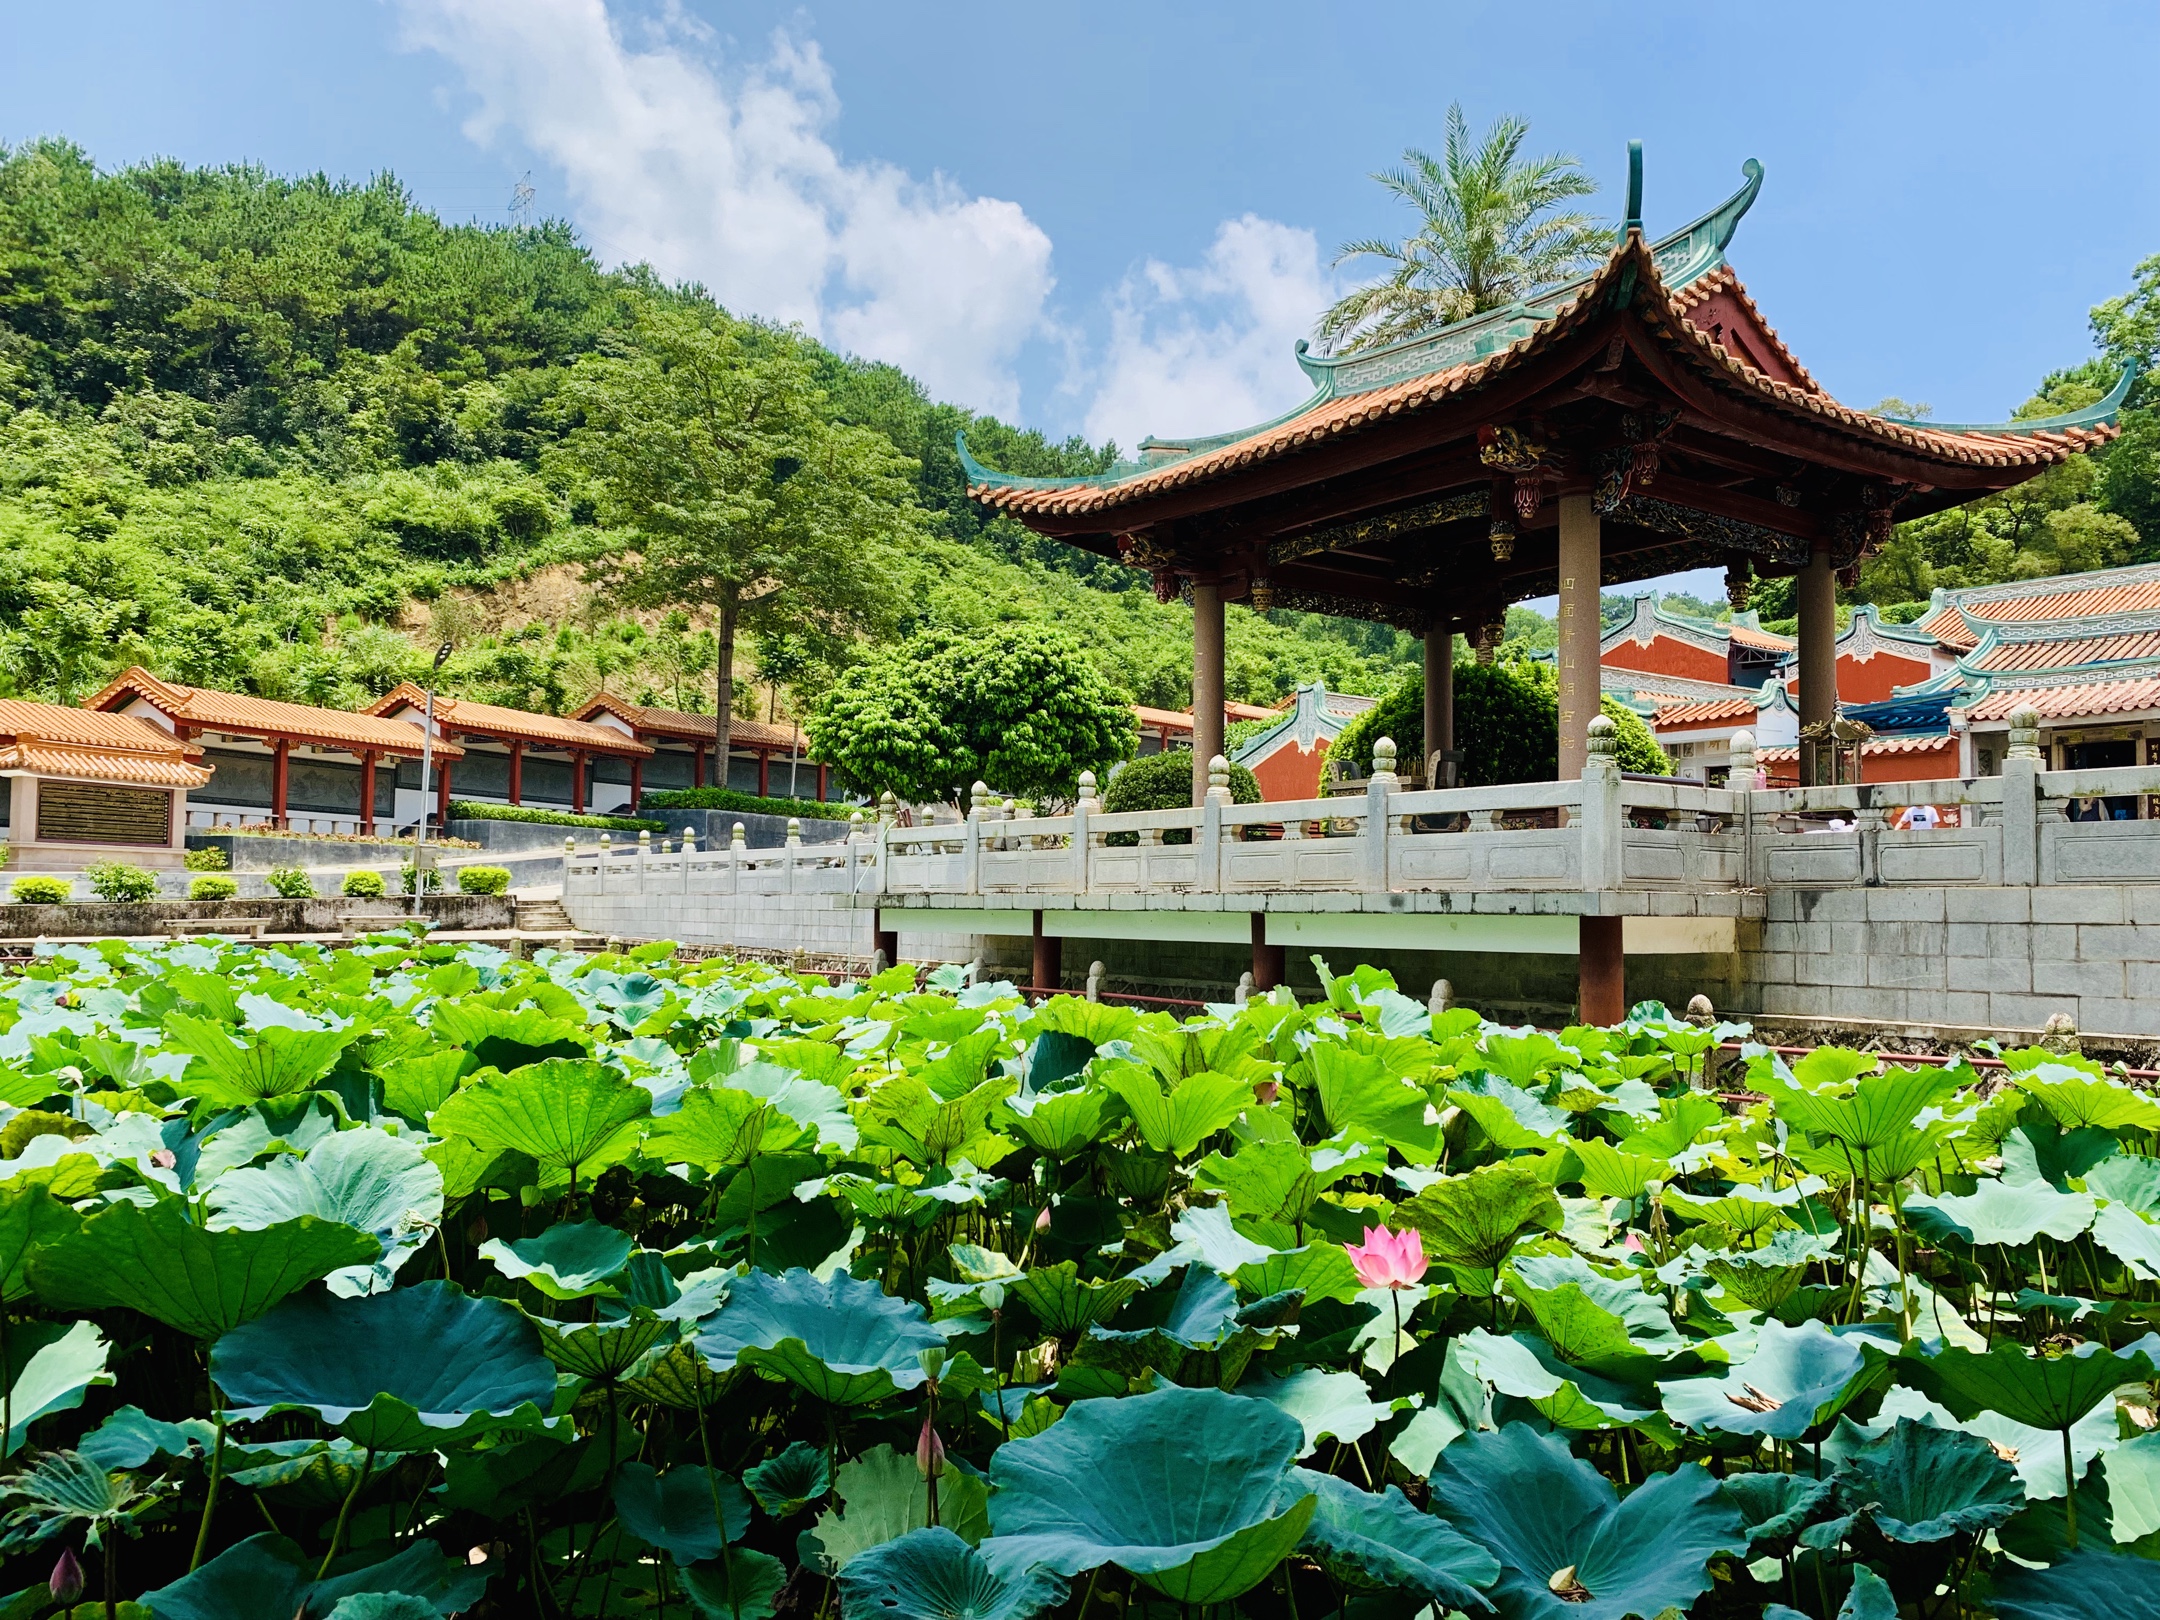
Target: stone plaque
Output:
[(94, 813)]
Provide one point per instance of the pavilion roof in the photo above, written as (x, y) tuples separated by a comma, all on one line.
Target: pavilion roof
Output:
[(2102, 694), (50, 739), (1960, 617), (501, 724), (683, 726), (236, 713), (1652, 384)]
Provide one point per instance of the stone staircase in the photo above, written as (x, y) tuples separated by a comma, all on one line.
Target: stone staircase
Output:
[(543, 917)]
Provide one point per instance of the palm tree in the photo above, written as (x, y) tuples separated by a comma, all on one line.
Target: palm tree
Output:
[(1489, 237)]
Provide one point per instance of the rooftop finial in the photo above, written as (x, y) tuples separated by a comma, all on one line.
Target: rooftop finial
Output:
[(1634, 187)]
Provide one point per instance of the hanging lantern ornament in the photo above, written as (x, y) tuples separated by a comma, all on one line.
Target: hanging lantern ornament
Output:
[(1502, 538), (1263, 594), (1739, 585)]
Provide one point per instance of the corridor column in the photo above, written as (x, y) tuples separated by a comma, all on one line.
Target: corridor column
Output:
[(1600, 959), (280, 780), (517, 771), (1582, 569), (1207, 682), (1439, 695), (367, 792), (1815, 596)]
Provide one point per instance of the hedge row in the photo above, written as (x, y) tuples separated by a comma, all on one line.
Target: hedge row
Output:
[(710, 798), (466, 810)]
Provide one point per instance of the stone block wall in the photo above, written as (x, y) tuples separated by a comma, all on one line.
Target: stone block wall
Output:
[(1969, 958)]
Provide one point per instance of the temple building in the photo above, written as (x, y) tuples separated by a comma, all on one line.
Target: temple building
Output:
[(762, 759), (1639, 421), (79, 786), (513, 756), (290, 764)]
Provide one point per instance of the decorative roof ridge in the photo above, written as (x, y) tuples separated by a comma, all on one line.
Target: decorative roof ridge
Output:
[(2085, 627), (1983, 681), (448, 711), (2102, 412), (1619, 678), (2008, 590), (1866, 627), (143, 684), (1651, 616), (1696, 249), (1303, 718)]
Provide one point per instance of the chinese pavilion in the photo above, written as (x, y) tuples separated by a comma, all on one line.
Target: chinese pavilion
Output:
[(1639, 421)]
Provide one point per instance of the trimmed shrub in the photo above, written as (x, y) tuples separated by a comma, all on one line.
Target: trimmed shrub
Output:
[(210, 858), (363, 886), (213, 888), (711, 798), (1164, 782), (40, 891), (466, 810), (118, 883), (290, 883), (483, 879), (432, 885)]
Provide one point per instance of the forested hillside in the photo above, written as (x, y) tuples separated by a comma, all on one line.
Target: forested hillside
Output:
[(283, 435), (287, 435)]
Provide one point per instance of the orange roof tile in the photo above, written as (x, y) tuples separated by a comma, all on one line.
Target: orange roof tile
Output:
[(102, 764), (2067, 601), (57, 723), (695, 728), (2073, 700), (1748, 636), (1874, 745), (204, 710), (1696, 714), (2070, 651), (522, 725), (1335, 418)]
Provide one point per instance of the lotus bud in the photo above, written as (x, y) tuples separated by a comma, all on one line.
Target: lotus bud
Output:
[(929, 1451), (1653, 1190), (1042, 1221), (1266, 1092), (932, 1363), (476, 1556), (66, 1584)]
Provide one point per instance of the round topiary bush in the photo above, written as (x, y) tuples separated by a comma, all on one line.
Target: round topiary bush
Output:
[(1164, 782), (213, 888), (362, 886), (483, 879), (290, 883), (118, 883), (1507, 725), (41, 891)]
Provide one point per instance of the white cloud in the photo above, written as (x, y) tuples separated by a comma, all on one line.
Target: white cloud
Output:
[(726, 176), (1208, 349)]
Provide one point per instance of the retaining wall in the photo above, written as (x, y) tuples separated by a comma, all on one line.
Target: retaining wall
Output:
[(95, 919)]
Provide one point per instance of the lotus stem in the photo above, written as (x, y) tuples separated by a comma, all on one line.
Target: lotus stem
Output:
[(217, 1471), (337, 1531), (2069, 1490)]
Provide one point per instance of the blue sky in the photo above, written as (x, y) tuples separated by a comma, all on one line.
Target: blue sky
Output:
[(1116, 219)]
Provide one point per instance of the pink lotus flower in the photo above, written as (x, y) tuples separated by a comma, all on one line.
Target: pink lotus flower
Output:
[(66, 1584), (929, 1451), (1388, 1259)]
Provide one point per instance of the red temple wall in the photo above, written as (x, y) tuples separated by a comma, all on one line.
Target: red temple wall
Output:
[(1667, 655)]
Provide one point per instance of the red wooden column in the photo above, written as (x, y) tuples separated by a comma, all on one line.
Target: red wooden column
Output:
[(764, 765), (280, 779), (697, 766), (517, 771), (821, 784), (637, 783), (442, 795), (577, 784), (1268, 961), (1601, 966), (1049, 967), (367, 791)]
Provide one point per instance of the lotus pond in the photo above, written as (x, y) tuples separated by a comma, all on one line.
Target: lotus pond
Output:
[(415, 1280)]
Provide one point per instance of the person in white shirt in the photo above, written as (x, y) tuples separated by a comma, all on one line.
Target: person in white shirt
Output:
[(1917, 818)]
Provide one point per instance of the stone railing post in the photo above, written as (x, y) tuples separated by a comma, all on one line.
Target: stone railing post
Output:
[(1741, 776), (689, 850), (880, 881), (738, 848), (644, 856), (1208, 839), (2021, 800), (607, 848), (972, 842), (1084, 807), (1378, 786), (1600, 829)]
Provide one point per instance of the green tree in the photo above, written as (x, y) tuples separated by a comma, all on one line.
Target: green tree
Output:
[(1018, 707), (1488, 235), (703, 446), (1507, 724)]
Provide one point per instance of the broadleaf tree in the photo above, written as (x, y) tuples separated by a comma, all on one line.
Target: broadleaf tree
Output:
[(1018, 707), (704, 444)]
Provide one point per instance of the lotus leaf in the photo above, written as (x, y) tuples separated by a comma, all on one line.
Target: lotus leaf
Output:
[(1189, 1489), (934, 1575), (1471, 1221), (2042, 1392), (1920, 1483), (1180, 1120), (233, 1072), (2003, 1212), (51, 1366), (1599, 1322), (844, 1340), (561, 1113), (1333, 1405), (31, 1219), (743, 1586), (1526, 1367), (1539, 1511), (352, 1363), (2082, 1586), (1060, 1123), (158, 1261), (1868, 1599), (368, 1180), (269, 1575), (786, 1484), (1797, 1378), (1369, 1539), (884, 1497), (1358, 1093), (603, 1352), (1775, 1507), (1066, 1304), (569, 1261), (690, 1513)]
